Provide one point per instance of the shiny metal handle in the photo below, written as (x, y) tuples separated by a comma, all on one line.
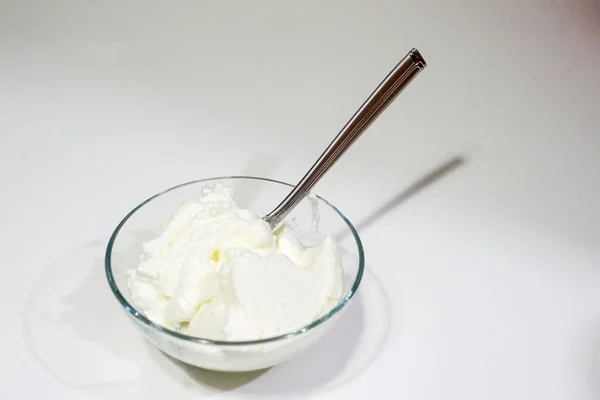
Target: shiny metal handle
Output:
[(377, 102)]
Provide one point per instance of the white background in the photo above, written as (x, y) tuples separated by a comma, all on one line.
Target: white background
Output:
[(485, 284)]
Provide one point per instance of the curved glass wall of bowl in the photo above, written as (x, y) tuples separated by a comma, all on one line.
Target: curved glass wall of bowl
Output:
[(123, 255)]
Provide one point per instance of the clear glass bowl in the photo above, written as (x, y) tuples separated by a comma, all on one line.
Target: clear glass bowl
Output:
[(313, 218)]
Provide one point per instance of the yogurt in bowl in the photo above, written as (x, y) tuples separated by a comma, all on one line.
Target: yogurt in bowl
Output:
[(216, 288)]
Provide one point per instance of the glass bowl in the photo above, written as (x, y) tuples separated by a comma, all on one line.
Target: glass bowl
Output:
[(313, 218)]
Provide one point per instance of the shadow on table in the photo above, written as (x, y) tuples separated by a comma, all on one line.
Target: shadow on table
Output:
[(416, 187)]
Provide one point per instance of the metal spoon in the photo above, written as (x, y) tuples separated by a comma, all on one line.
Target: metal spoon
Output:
[(383, 96)]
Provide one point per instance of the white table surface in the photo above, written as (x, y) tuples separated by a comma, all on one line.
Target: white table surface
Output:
[(484, 284)]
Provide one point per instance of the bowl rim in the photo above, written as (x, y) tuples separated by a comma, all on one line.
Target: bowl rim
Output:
[(139, 316)]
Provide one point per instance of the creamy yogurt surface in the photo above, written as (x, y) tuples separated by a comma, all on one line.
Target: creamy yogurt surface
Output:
[(218, 272)]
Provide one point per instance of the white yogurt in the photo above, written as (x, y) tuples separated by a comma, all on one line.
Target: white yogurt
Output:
[(218, 272)]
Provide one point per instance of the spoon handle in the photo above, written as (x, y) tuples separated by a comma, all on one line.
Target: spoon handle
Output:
[(378, 101)]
